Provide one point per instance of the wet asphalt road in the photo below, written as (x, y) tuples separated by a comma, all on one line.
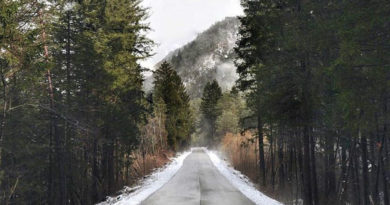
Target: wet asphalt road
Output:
[(197, 182)]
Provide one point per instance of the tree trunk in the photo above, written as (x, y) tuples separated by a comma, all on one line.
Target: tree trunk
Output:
[(66, 143), (356, 198), (313, 169), (307, 172), (272, 145), (3, 117), (281, 166), (111, 168), (307, 182), (261, 149), (330, 163), (301, 169), (281, 162), (375, 173), (344, 175), (385, 186), (366, 185), (382, 159), (95, 173), (52, 126)]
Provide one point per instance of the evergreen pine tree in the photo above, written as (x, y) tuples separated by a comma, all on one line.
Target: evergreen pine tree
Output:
[(169, 87), (211, 94)]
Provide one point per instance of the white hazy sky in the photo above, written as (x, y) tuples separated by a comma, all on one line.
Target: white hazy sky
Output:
[(176, 22)]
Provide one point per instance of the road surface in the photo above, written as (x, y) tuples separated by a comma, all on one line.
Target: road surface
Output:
[(197, 182)]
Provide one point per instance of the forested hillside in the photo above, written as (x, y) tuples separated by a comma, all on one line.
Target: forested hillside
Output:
[(210, 56)]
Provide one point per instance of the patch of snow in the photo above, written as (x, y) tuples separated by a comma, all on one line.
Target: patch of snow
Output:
[(208, 62), (226, 75), (135, 195), (240, 181)]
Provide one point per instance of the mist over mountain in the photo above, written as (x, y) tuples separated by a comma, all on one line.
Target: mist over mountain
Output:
[(210, 56)]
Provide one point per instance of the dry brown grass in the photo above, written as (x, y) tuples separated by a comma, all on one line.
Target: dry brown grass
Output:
[(242, 153), (143, 166)]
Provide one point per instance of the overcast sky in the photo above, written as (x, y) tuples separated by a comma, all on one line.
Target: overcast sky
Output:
[(177, 22)]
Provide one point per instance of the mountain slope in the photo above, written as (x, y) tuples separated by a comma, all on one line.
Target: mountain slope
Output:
[(210, 56)]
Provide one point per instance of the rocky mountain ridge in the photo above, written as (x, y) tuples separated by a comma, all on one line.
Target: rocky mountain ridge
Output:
[(210, 56)]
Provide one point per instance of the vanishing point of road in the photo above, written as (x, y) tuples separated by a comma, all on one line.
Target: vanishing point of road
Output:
[(198, 182)]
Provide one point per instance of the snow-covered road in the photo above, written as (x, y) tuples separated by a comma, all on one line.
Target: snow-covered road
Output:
[(196, 177)]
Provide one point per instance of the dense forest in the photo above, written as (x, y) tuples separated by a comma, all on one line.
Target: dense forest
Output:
[(316, 76), (73, 108), (307, 120)]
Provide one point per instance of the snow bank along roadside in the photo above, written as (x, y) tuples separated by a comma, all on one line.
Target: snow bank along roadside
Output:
[(135, 195), (240, 181)]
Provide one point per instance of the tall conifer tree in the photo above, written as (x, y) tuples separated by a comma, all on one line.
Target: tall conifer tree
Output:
[(169, 87), (210, 112)]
